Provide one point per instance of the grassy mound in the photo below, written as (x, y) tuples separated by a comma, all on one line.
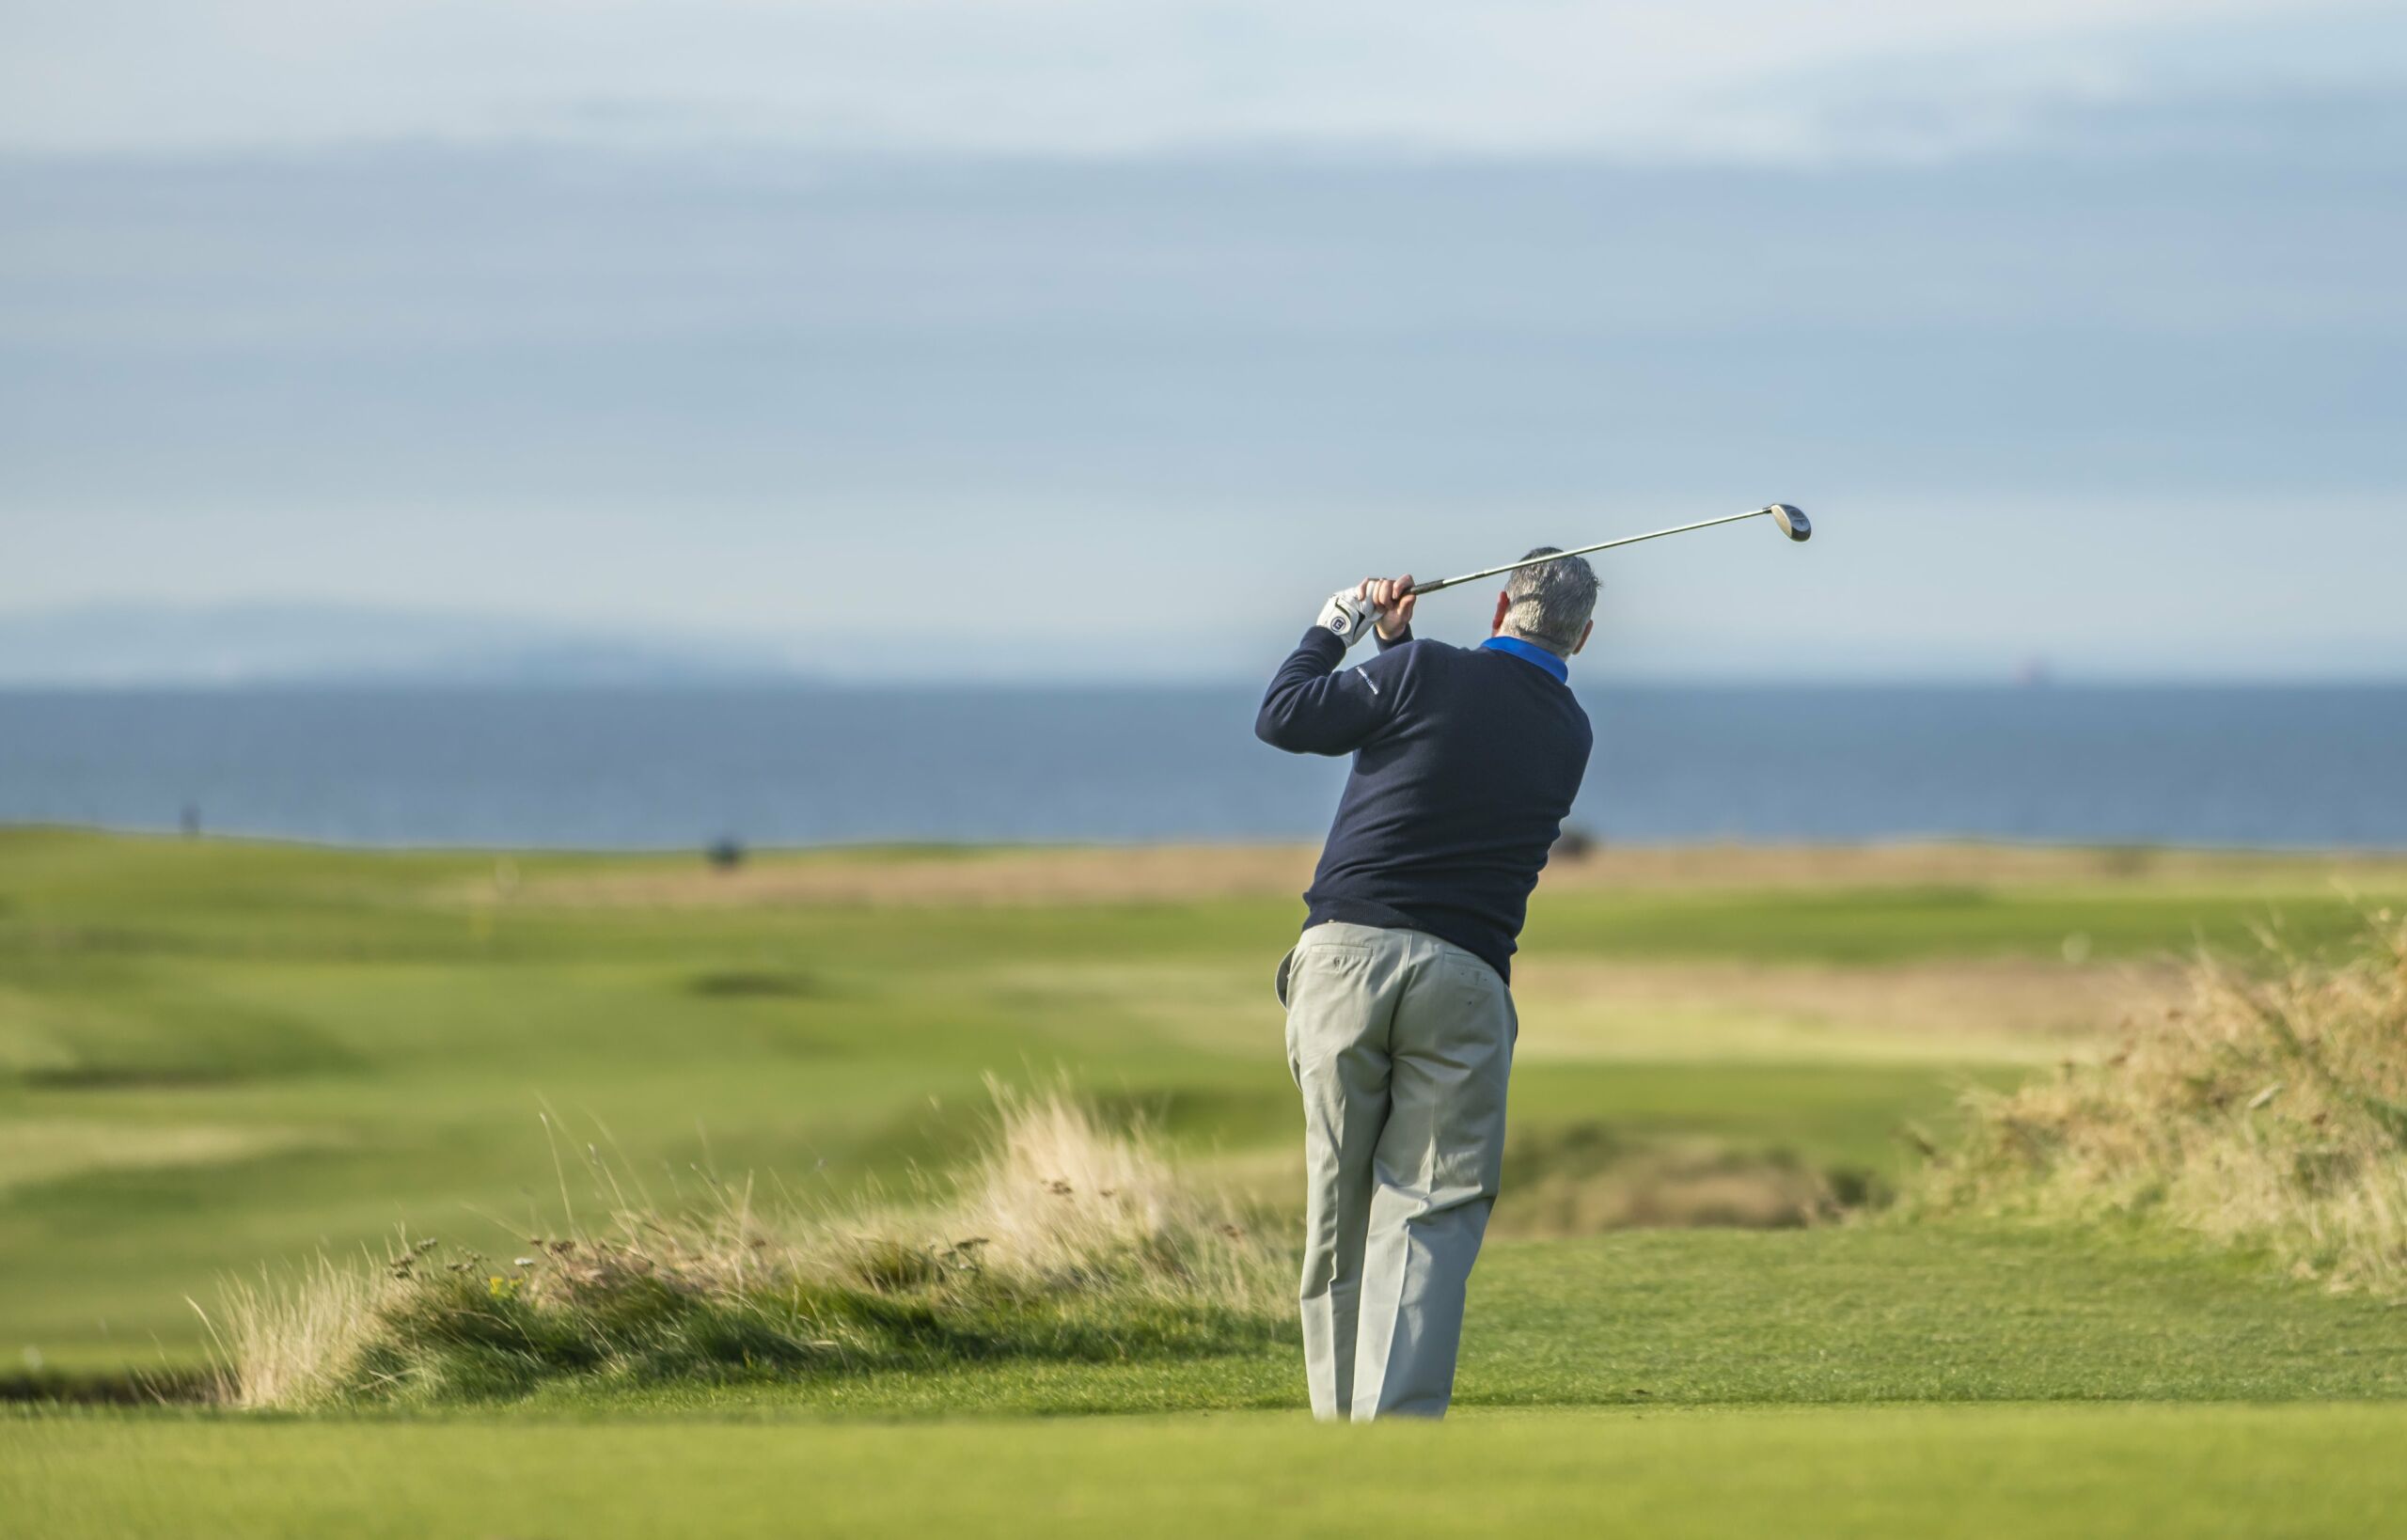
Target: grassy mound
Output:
[(2267, 1114), (1587, 1178), (1065, 1242)]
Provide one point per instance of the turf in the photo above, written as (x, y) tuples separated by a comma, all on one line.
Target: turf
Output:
[(217, 1055), (1998, 1470), (1839, 1315)]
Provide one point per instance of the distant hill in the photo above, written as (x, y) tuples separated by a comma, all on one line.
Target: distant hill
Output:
[(128, 645)]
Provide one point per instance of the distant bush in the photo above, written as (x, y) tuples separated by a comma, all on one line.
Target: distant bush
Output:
[(748, 984), (1065, 1241), (1575, 843), (2266, 1114)]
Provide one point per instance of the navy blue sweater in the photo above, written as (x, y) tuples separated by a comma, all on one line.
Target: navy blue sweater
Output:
[(1465, 765)]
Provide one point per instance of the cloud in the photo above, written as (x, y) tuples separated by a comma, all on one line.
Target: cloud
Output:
[(1732, 80), (567, 308)]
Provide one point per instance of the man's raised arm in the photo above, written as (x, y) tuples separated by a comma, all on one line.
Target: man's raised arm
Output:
[(1313, 709)]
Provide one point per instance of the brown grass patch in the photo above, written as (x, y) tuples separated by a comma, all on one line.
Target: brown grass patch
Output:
[(980, 878), (1997, 1010), (38, 1149), (2003, 1009), (1958, 864), (1186, 873)]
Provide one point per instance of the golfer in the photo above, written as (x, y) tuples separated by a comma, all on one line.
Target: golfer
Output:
[(1400, 1028)]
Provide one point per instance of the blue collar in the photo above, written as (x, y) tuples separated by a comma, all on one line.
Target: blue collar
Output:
[(1530, 653)]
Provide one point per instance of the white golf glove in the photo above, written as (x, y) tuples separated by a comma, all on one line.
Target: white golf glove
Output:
[(1348, 617)]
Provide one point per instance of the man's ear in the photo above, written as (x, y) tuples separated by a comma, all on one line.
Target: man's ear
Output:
[(1585, 631), (1503, 604)]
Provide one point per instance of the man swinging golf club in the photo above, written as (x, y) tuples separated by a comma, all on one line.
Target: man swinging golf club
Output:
[(1400, 1028)]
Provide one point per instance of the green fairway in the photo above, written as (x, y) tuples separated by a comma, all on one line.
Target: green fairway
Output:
[(215, 1057), (2002, 1470)]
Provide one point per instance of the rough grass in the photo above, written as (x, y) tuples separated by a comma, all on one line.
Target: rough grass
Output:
[(1065, 1241), (2265, 1113)]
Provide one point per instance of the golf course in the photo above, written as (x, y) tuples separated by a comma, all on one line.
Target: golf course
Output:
[(1712, 1301)]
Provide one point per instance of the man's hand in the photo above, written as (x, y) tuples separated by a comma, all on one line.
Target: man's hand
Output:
[(1386, 602), (1348, 617), (1393, 598)]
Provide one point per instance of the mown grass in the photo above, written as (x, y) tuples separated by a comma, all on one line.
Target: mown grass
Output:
[(1989, 1471), (1893, 1374)]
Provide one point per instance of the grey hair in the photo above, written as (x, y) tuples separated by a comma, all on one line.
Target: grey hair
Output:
[(1552, 602)]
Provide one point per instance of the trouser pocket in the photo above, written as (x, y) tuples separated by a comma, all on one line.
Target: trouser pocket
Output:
[(1278, 985)]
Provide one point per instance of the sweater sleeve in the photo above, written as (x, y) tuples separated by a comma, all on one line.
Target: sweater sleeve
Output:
[(1312, 708)]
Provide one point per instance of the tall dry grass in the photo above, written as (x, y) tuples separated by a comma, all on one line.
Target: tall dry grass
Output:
[(2268, 1112), (289, 1341), (1064, 1240)]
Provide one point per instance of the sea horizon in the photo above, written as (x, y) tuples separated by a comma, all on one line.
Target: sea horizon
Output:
[(2246, 766)]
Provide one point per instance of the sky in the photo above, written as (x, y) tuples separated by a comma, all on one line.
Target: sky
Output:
[(1031, 340)]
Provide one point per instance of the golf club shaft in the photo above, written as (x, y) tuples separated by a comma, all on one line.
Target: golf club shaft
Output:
[(1601, 545)]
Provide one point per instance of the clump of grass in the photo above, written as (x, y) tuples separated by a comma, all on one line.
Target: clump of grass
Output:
[(2267, 1113), (1065, 1240), (291, 1342)]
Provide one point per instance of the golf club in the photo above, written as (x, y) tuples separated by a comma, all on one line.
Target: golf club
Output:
[(1792, 520)]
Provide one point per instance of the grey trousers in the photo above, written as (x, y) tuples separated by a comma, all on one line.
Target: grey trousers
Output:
[(1401, 1044)]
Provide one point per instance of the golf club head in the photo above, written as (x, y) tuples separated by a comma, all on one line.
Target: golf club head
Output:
[(1792, 521)]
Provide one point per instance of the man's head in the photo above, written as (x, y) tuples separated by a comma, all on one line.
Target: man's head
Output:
[(1552, 604)]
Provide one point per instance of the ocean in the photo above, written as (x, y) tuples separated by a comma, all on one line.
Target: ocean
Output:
[(2276, 767)]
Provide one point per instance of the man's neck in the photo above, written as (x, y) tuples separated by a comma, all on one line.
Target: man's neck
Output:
[(1536, 655)]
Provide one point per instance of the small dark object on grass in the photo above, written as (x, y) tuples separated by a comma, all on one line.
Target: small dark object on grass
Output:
[(1576, 844), (113, 1387), (726, 855), (747, 984)]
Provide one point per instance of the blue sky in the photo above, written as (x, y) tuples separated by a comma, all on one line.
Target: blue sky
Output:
[(1025, 339)]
